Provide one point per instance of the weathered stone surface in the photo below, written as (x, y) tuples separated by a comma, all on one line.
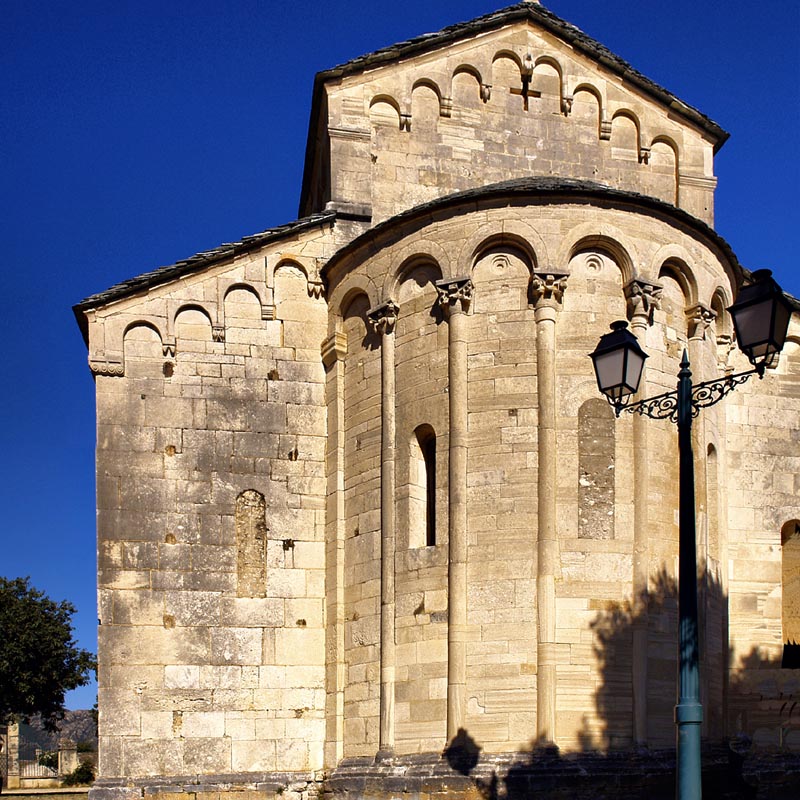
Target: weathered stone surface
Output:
[(357, 488)]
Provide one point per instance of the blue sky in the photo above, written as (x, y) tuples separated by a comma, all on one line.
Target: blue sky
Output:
[(136, 134)]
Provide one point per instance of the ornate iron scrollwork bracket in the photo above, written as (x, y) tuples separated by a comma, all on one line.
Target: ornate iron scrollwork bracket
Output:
[(708, 393)]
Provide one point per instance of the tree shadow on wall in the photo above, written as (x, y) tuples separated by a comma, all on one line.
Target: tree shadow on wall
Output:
[(607, 762)]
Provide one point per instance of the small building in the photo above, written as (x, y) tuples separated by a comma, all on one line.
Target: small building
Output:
[(360, 502)]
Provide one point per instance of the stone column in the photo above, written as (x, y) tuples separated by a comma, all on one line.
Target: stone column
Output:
[(383, 319), (643, 298), (334, 350), (455, 297), (548, 289), (699, 317)]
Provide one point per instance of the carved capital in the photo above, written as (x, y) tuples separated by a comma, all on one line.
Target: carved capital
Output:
[(405, 122), (455, 290), (605, 130), (547, 288), (643, 299), (382, 318), (334, 348), (644, 155), (168, 348), (446, 107), (268, 312), (218, 333), (566, 104), (699, 318), (486, 92)]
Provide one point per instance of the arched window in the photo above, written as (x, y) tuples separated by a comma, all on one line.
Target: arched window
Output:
[(790, 606), (596, 470), (422, 488), (251, 544)]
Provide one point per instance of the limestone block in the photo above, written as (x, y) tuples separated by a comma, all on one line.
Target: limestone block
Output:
[(300, 646), (193, 608), (183, 676), (156, 725), (208, 755), (203, 724), (236, 646), (254, 756), (247, 612)]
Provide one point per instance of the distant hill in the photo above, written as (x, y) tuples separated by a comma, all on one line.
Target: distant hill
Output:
[(76, 725)]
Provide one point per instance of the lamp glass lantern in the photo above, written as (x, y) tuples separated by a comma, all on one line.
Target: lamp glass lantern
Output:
[(761, 317), (618, 363)]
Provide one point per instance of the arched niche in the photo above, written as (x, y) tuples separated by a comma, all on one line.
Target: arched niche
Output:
[(242, 314), (193, 329), (384, 111), (425, 106), (587, 105), (546, 80), (625, 136), (143, 353), (506, 76), (663, 170), (596, 282), (501, 276), (676, 298), (467, 83)]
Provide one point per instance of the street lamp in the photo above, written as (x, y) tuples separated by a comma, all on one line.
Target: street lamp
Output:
[(761, 319)]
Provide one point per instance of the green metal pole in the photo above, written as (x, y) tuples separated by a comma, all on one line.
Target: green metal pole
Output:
[(688, 711)]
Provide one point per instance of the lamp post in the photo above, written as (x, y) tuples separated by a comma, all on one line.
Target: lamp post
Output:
[(761, 319)]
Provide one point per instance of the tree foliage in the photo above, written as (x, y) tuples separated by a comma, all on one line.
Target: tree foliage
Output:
[(39, 660)]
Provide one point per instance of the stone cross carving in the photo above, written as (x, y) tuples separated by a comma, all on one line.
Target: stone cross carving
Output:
[(455, 290), (643, 299), (547, 288), (383, 317)]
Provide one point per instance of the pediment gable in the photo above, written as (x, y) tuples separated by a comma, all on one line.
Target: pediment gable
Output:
[(516, 93)]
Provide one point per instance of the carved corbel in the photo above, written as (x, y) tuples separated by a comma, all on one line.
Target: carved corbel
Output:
[(527, 68), (566, 104), (699, 318), (405, 122), (334, 348), (383, 317), (486, 92), (547, 288), (445, 106), (316, 288), (605, 130), (644, 155), (643, 299), (110, 366), (218, 333), (267, 312), (455, 290)]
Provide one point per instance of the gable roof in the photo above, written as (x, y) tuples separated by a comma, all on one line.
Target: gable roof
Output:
[(533, 12), (193, 264)]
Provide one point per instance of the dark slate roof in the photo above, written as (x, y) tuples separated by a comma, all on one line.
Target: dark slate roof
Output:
[(548, 188), (195, 263), (534, 12)]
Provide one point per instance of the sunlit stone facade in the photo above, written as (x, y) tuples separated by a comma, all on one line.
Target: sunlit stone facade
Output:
[(359, 500)]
